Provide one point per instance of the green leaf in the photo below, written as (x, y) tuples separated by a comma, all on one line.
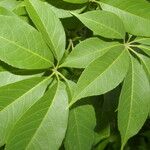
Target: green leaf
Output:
[(143, 40), (5, 12), (134, 101), (70, 89), (16, 99), (134, 14), (22, 46), (80, 132), (62, 9), (146, 63), (103, 74), (9, 4), (20, 9), (87, 51), (76, 1), (103, 23), (49, 25), (44, 125), (7, 77), (145, 48)]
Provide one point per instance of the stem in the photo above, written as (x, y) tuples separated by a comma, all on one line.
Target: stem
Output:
[(94, 1), (130, 36), (57, 65), (122, 147), (134, 52), (70, 45), (63, 77), (134, 45), (67, 85), (51, 75)]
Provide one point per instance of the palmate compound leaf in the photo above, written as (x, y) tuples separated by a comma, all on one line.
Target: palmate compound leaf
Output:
[(22, 46), (44, 125), (103, 23), (103, 74), (16, 99), (49, 25), (134, 101), (134, 14), (80, 132), (87, 51)]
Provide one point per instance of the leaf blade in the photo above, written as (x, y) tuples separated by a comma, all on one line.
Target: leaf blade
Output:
[(135, 15), (29, 92), (97, 74), (133, 104), (49, 121), (80, 134), (103, 23), (87, 51), (22, 50), (52, 30)]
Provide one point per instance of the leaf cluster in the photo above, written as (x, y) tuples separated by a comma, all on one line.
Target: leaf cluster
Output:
[(74, 74)]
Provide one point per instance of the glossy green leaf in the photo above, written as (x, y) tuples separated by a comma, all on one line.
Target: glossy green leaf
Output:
[(80, 132), (134, 101), (15, 100), (44, 125), (134, 14), (49, 25), (22, 46), (103, 74), (103, 23), (87, 51), (76, 1)]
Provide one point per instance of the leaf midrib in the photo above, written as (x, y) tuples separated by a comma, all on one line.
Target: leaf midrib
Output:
[(27, 50)]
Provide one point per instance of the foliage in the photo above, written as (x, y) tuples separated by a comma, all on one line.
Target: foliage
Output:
[(74, 74)]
